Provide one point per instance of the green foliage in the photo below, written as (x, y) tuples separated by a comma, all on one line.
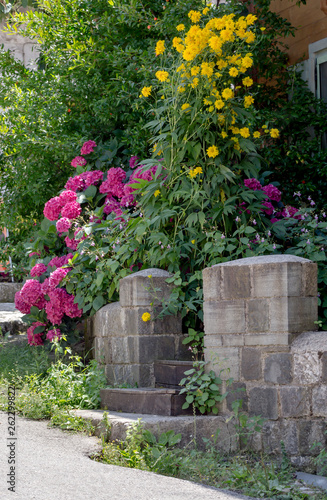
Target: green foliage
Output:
[(203, 390), (93, 59), (20, 360), (141, 449), (246, 427)]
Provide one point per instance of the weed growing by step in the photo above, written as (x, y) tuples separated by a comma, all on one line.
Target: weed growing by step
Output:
[(203, 390)]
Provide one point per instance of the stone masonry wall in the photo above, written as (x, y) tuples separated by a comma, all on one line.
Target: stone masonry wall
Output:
[(259, 316), (127, 345), (24, 49)]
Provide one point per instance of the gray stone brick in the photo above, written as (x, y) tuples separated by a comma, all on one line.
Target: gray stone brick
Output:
[(267, 339), (139, 290), (306, 368), (134, 325), (258, 315), (270, 280), (311, 431), (99, 353), (235, 392), (224, 361), (131, 374), (295, 401), (263, 402), (151, 348), (224, 317), (251, 364), (271, 437), (324, 367), (8, 291), (302, 314), (278, 368), (319, 401), (279, 314), (236, 282), (309, 279), (290, 436), (212, 283), (108, 321), (233, 340), (182, 352), (213, 340)]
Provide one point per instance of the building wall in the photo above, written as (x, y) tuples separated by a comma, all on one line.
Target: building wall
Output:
[(310, 20)]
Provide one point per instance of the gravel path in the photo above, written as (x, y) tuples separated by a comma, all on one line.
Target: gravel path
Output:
[(54, 465)]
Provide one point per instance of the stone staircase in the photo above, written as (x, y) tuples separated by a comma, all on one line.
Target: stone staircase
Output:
[(163, 399)]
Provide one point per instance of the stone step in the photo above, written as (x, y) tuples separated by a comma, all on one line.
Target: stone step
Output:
[(150, 401), (169, 373), (10, 319)]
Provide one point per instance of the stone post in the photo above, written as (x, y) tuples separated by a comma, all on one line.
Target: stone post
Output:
[(127, 345)]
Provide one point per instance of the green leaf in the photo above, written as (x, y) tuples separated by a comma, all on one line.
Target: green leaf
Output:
[(90, 192), (98, 302)]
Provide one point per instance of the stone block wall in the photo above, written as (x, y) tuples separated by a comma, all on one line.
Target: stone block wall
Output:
[(127, 345), (259, 316)]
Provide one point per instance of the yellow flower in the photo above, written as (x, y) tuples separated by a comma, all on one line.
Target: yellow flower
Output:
[(215, 43), (247, 81), (180, 68), (245, 132), (250, 19), (274, 133), (262, 29), (206, 69), (146, 91), (256, 135), (248, 100), (185, 106), (205, 11), (156, 193), (177, 41), (224, 134), (227, 93), (195, 16), (180, 27), (249, 37), (195, 70), (193, 241), (233, 71), (149, 275), (195, 171), (264, 126), (162, 75), (160, 47), (247, 62), (181, 89), (195, 83), (146, 316), (219, 103), (212, 151)]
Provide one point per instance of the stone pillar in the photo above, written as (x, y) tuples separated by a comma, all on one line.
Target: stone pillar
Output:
[(256, 302), (127, 345)]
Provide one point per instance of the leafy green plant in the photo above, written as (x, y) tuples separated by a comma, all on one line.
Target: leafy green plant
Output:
[(203, 390), (245, 426)]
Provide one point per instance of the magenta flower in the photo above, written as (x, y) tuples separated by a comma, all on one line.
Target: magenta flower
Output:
[(272, 192), (67, 197), (38, 270), (57, 276), (35, 339), (71, 210), (55, 333), (88, 147), (253, 184), (78, 161), (63, 225), (133, 161), (52, 208)]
